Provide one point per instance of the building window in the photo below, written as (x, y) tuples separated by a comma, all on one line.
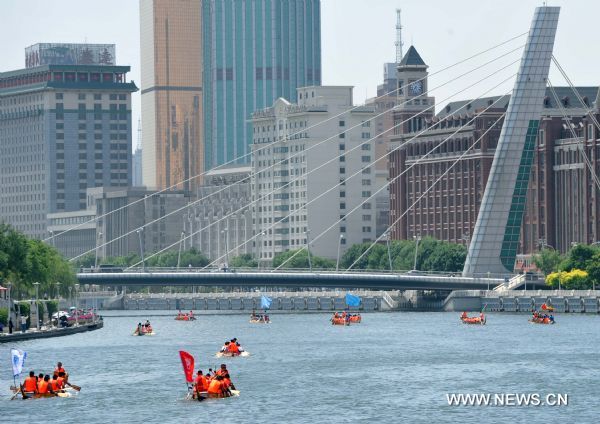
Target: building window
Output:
[(366, 159), (342, 146), (342, 135), (590, 132), (342, 123)]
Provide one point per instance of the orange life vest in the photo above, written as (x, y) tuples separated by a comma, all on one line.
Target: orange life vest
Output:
[(43, 387), (61, 382), (30, 384), (214, 387), (61, 369), (226, 383), (233, 348), (55, 385)]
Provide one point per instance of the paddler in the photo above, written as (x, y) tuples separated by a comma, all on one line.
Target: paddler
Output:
[(463, 315), (234, 348), (30, 383), (59, 368), (225, 347), (215, 388), (222, 371), (55, 384), (62, 379), (44, 386), (200, 382)]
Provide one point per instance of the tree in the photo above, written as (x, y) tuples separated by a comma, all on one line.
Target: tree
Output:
[(300, 260), (447, 257), (578, 257), (245, 260), (547, 260)]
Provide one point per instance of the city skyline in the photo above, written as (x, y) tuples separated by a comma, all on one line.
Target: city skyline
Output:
[(442, 41)]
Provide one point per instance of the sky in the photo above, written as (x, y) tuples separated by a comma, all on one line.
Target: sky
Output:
[(357, 38)]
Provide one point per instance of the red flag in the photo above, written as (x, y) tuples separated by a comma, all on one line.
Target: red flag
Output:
[(187, 360), (544, 307)]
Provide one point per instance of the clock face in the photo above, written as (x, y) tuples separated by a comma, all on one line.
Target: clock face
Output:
[(416, 88)]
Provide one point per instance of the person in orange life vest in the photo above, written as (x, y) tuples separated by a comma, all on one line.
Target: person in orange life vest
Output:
[(44, 386), (61, 380), (481, 316), (30, 383), (225, 347), (233, 348), (234, 340), (55, 384), (463, 315), (228, 382), (222, 371), (215, 388), (59, 368), (191, 313), (200, 382)]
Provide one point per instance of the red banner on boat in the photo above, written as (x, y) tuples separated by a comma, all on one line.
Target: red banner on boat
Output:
[(187, 360)]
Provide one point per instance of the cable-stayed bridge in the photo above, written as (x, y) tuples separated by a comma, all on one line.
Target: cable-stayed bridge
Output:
[(493, 247), (289, 278)]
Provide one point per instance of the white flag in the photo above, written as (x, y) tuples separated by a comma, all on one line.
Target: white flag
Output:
[(18, 360)]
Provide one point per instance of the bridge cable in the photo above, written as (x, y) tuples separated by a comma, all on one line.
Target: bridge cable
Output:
[(426, 191), (360, 171), (579, 140), (239, 158), (287, 159)]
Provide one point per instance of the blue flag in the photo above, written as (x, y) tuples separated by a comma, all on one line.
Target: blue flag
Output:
[(18, 360), (265, 302), (352, 300)]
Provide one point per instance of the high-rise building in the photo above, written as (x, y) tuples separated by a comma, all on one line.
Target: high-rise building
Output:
[(171, 60), (63, 128), (206, 67), (253, 53), (295, 164)]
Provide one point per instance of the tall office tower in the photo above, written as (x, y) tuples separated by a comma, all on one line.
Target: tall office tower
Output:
[(171, 60), (253, 52), (65, 125)]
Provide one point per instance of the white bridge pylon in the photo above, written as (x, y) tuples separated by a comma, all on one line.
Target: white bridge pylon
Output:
[(495, 240)]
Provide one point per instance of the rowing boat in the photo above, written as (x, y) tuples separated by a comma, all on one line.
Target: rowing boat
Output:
[(185, 318), (204, 395), (231, 355), (144, 333), (339, 321), (541, 321), (473, 320), (257, 321), (64, 393)]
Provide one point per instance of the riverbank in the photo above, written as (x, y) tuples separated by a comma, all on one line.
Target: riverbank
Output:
[(50, 332)]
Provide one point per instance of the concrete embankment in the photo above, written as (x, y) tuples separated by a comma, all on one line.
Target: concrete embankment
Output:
[(281, 301), (567, 301), (50, 332)]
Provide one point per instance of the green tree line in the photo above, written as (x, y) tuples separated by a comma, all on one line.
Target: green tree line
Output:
[(578, 269), (25, 261)]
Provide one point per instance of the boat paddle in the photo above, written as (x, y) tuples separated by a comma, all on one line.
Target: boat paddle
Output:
[(75, 386), (16, 393)]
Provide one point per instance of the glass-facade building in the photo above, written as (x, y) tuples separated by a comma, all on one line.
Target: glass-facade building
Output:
[(253, 53)]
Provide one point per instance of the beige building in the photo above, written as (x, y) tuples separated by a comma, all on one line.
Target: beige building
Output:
[(171, 59)]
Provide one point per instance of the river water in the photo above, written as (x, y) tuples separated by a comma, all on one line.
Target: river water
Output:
[(394, 367)]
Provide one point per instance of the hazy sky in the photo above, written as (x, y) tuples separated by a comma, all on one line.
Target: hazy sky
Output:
[(357, 37)]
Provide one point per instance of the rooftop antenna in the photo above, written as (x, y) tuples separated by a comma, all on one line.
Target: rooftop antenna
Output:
[(398, 42)]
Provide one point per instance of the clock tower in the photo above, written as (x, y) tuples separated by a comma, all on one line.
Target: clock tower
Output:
[(414, 104)]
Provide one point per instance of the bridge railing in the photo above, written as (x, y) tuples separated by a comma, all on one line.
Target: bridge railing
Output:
[(256, 294), (411, 273)]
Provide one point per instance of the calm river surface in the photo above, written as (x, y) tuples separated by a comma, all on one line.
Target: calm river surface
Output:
[(394, 367)]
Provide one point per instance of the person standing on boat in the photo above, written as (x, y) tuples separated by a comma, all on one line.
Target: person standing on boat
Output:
[(10, 326)]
